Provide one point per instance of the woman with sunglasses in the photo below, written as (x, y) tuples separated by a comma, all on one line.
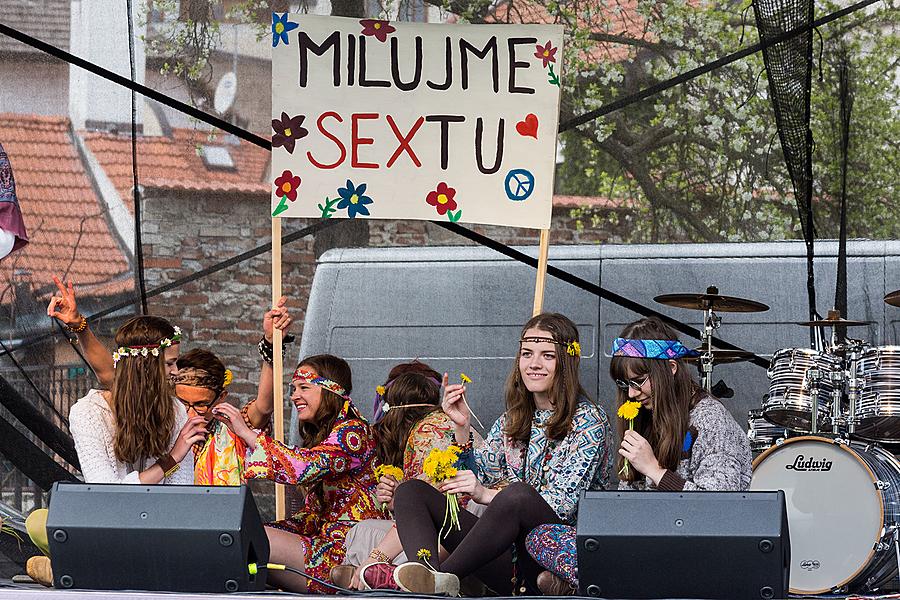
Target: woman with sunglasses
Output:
[(682, 439)]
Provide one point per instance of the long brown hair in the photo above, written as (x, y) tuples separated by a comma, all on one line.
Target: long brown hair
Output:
[(674, 394), (565, 389), (141, 393), (407, 383)]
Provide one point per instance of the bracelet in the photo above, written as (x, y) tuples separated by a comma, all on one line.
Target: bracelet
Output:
[(267, 349), (467, 447), (167, 464), (80, 327), (380, 556)]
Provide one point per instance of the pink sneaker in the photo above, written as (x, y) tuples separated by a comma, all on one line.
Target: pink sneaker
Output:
[(378, 576)]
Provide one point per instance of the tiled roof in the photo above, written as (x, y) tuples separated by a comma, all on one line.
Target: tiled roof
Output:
[(69, 235), (173, 163), (47, 20)]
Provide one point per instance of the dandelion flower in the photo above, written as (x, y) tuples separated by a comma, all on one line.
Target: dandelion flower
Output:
[(464, 378)]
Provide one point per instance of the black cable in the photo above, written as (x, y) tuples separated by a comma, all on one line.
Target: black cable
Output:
[(587, 286), (135, 188), (704, 69)]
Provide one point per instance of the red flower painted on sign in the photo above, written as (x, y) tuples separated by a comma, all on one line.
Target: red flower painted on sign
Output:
[(442, 198), (546, 53), (378, 29), (287, 185)]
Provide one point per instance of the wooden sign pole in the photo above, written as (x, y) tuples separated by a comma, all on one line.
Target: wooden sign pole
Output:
[(541, 272), (278, 362)]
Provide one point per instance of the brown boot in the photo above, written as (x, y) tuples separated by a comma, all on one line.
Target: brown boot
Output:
[(39, 569), (342, 574), (551, 584)]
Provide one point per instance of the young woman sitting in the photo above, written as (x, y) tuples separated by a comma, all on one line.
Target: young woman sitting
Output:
[(334, 464), (683, 438), (137, 432), (551, 444), (409, 423)]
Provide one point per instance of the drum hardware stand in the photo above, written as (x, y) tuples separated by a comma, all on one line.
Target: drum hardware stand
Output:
[(711, 322), (812, 379)]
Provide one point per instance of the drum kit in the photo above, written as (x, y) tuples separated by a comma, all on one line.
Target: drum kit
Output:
[(823, 435)]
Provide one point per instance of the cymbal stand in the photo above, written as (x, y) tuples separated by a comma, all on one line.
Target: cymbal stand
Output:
[(854, 385), (711, 322), (812, 381)]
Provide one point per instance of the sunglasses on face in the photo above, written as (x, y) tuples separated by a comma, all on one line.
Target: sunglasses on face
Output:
[(636, 384)]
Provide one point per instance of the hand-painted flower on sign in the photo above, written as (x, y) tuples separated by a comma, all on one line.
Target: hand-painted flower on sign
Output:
[(287, 131), (442, 198), (354, 200), (378, 29), (280, 28), (287, 185), (547, 53)]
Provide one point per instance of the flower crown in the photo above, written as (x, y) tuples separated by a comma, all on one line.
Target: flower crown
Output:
[(573, 348), (148, 349)]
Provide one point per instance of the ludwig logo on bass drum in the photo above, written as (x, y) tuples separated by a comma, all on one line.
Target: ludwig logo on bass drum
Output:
[(802, 463), (810, 565)]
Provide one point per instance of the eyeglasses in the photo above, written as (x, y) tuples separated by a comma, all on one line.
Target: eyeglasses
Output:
[(636, 384), (199, 407)]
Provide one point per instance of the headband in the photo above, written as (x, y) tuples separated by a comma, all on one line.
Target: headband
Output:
[(201, 378), (147, 349), (302, 375), (655, 349), (381, 407), (573, 348)]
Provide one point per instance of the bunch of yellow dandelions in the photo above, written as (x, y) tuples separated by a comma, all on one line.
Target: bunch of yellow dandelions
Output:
[(388, 471), (629, 412), (439, 466)]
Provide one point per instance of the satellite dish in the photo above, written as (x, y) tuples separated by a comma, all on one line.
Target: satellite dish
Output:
[(225, 93)]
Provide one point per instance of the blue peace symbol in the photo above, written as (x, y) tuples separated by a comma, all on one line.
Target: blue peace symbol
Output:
[(519, 184)]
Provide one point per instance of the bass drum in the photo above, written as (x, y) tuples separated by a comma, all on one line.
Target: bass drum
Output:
[(842, 505)]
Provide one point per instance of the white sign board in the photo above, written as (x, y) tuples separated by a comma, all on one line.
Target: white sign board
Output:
[(383, 120)]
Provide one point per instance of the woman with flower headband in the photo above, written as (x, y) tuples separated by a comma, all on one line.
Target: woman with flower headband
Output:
[(335, 464), (681, 439), (137, 432), (551, 444), (408, 424)]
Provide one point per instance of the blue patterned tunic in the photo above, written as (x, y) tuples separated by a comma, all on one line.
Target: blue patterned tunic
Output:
[(559, 470)]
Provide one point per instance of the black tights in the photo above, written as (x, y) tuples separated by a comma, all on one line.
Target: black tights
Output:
[(481, 546)]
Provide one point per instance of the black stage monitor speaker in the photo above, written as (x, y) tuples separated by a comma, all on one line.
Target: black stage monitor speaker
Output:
[(157, 537), (683, 545)]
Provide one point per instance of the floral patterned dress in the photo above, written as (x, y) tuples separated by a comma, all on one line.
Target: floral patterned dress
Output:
[(343, 463), (558, 470)]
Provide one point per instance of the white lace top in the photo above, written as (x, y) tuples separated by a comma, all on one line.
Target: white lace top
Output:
[(93, 428)]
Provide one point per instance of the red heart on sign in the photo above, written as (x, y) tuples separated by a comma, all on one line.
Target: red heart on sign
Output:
[(528, 127)]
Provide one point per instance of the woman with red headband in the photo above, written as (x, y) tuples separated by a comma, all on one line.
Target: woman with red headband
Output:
[(334, 465)]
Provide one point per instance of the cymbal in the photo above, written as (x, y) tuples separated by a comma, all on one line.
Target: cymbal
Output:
[(893, 298), (711, 300), (721, 356)]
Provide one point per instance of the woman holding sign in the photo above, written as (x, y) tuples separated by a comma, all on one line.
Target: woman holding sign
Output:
[(551, 444), (677, 437)]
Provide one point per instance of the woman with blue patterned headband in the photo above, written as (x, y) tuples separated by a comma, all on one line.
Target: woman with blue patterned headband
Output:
[(682, 438)]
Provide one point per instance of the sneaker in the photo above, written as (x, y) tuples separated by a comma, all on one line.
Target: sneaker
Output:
[(341, 575), (39, 569), (378, 576), (551, 584), (417, 578)]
